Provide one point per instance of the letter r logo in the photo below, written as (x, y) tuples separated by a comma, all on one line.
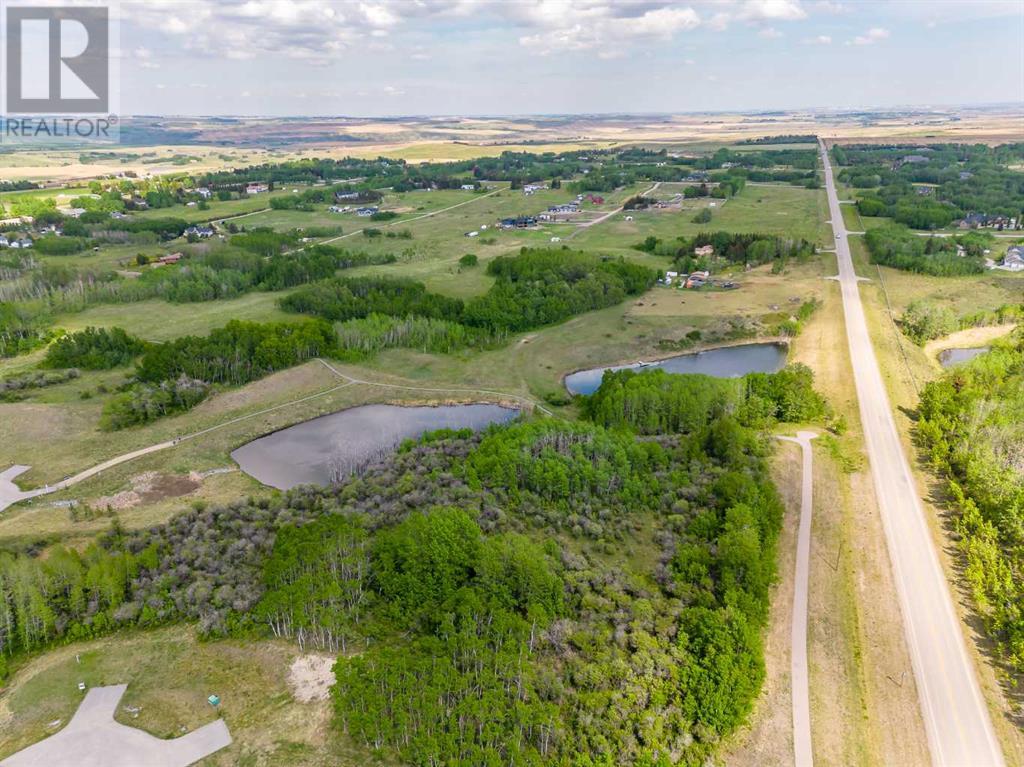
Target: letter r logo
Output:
[(58, 60)]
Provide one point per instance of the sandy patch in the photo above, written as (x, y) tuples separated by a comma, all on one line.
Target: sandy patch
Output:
[(310, 677), (149, 487)]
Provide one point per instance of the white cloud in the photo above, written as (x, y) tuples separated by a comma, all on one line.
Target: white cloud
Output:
[(144, 58), (819, 40), (872, 36), (390, 90), (600, 27), (770, 32), (771, 10)]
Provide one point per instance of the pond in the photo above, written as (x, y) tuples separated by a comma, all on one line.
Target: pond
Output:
[(724, 362), (951, 357), (331, 447)]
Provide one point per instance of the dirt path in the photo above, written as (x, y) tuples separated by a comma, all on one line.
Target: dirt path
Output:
[(799, 675), (586, 225), (400, 221)]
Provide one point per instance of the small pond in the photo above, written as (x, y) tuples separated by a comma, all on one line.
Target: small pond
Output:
[(724, 362), (325, 449), (951, 357)]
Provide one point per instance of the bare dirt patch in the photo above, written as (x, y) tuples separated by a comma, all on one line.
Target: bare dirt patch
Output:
[(150, 487), (310, 677)]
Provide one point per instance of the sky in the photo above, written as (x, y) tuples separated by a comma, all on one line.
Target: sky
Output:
[(528, 57)]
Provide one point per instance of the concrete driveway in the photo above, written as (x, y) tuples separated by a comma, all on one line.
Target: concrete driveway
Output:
[(93, 739)]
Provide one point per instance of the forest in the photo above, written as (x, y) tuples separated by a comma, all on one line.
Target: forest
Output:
[(532, 289), (960, 179), (969, 423), (751, 249), (896, 246), (177, 375), (478, 587)]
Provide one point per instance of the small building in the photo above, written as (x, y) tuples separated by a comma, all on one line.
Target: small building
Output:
[(3, 241), (169, 258), (204, 192), (704, 251), (22, 243), (257, 188), (1013, 261), (118, 215), (338, 209), (468, 187), (366, 212), (200, 231), (190, 204)]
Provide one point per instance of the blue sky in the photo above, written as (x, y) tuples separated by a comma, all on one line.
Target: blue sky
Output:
[(410, 57)]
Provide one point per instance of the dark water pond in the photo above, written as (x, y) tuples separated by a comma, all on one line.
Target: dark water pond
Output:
[(951, 357), (726, 362), (325, 449)]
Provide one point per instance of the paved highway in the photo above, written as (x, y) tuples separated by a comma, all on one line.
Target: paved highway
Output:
[(955, 714)]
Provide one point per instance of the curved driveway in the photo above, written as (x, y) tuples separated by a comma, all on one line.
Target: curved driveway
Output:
[(955, 715)]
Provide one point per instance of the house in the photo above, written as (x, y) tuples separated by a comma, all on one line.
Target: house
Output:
[(170, 258), (346, 196), (565, 208), (704, 250), (257, 188), (1013, 261), (366, 212), (204, 192), (23, 243), (200, 231), (697, 279), (531, 188), (3, 241), (468, 187), (118, 215), (520, 222), (972, 221), (338, 209), (913, 159)]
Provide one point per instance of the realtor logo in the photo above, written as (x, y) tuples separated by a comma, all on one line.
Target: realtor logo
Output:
[(58, 60), (60, 73)]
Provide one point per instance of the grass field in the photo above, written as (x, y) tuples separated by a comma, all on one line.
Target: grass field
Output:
[(776, 209), (170, 674)]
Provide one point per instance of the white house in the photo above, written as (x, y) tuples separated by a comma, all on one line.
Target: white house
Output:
[(1013, 261), (469, 187), (204, 192), (257, 188)]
